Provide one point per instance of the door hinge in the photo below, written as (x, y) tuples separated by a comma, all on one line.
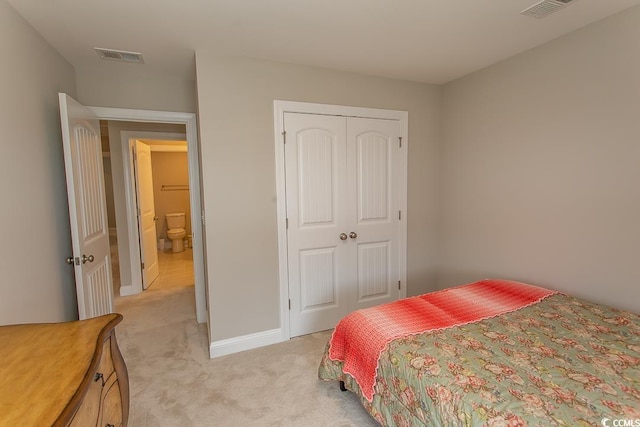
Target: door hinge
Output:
[(400, 215), (398, 284), (284, 136), (400, 140), (142, 265), (71, 260), (286, 220), (289, 304), (139, 212)]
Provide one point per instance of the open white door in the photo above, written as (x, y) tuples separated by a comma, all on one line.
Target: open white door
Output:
[(87, 208), (146, 214)]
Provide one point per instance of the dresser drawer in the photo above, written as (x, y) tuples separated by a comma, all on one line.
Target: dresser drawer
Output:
[(89, 410), (111, 406), (105, 367)]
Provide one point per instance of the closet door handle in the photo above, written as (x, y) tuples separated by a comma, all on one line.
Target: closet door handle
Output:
[(353, 235), (343, 236)]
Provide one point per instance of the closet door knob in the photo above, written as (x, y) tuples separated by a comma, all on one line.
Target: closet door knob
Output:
[(353, 235), (89, 258), (343, 236)]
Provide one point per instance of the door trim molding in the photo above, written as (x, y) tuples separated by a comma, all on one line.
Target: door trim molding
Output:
[(279, 109), (197, 212)]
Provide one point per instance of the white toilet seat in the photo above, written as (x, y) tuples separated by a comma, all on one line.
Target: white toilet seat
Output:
[(176, 233)]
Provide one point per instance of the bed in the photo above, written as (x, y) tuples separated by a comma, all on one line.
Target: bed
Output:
[(490, 353)]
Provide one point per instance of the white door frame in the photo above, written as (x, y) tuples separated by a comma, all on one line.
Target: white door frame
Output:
[(197, 212), (131, 203), (281, 107)]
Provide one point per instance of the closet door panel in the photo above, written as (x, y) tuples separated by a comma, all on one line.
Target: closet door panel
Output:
[(315, 157), (373, 159), (373, 152)]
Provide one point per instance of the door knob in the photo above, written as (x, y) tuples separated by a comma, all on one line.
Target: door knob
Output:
[(70, 260), (343, 236), (87, 258), (155, 218), (353, 235)]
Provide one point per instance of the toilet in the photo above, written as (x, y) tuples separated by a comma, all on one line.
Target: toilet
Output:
[(176, 231)]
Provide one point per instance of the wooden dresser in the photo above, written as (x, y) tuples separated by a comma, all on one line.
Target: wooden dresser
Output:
[(63, 374)]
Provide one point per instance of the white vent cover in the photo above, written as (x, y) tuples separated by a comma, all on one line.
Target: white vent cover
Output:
[(545, 7), (119, 55)]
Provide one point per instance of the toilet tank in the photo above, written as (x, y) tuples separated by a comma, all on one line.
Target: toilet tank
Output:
[(175, 220)]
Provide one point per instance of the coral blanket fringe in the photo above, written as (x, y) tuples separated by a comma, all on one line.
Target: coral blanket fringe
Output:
[(361, 336)]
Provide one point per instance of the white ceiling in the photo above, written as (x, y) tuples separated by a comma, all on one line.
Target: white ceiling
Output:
[(432, 41)]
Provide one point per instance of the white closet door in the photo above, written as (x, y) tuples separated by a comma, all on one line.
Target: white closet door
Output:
[(373, 207), (315, 157)]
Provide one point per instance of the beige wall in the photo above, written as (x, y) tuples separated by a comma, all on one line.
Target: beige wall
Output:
[(170, 169), (541, 167), (238, 166), (122, 85), (37, 285)]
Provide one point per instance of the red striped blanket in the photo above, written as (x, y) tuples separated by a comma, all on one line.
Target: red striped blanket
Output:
[(361, 336)]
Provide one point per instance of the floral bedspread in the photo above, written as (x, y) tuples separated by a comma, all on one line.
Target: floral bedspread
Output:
[(560, 362)]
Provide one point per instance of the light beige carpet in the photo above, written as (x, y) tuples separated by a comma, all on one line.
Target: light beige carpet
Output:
[(174, 383)]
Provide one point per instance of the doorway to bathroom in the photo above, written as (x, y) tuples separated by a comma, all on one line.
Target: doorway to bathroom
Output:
[(158, 200), (158, 181), (165, 134)]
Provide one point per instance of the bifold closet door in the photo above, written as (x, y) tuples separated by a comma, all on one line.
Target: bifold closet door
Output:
[(315, 156), (373, 196), (342, 210)]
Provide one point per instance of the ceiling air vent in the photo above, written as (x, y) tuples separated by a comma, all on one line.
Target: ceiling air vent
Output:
[(119, 55), (545, 7)]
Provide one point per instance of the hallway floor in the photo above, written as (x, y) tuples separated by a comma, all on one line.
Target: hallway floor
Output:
[(176, 270)]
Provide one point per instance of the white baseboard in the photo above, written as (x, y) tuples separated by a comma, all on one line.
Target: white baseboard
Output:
[(245, 342), (125, 291)]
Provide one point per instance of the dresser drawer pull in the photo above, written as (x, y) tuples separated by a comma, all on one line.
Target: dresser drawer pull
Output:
[(110, 425), (99, 376)]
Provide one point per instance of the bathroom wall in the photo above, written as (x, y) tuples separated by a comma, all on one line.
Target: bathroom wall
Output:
[(108, 178), (170, 169), (108, 190)]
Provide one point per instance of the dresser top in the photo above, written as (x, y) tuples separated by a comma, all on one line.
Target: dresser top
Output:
[(43, 365)]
